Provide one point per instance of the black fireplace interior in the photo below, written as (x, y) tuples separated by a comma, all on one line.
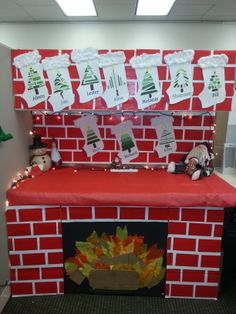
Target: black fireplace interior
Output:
[(127, 258)]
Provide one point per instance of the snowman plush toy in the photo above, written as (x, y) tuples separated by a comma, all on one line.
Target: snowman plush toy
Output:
[(39, 156)]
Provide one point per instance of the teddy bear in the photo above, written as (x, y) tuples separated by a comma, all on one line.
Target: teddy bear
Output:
[(198, 162)]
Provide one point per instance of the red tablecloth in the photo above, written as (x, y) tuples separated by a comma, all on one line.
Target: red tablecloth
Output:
[(144, 188)]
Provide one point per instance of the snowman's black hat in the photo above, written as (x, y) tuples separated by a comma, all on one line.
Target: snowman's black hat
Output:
[(37, 142)]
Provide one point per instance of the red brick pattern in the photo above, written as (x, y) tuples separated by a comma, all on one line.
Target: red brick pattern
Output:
[(189, 131), (131, 104), (193, 246)]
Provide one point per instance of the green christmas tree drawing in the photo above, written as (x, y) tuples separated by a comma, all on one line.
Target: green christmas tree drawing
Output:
[(214, 83), (148, 86), (126, 142), (115, 81), (89, 77), (166, 137), (181, 79), (60, 84), (34, 80), (92, 138)]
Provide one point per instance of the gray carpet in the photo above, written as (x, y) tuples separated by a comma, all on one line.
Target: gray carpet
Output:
[(97, 304)]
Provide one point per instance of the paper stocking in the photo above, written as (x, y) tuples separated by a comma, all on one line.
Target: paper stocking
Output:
[(166, 136), (116, 83), (149, 88), (181, 72), (58, 74), (89, 128), (214, 79), (90, 80), (32, 73), (126, 140)]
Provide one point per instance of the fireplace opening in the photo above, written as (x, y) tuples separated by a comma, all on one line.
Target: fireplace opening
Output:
[(126, 258)]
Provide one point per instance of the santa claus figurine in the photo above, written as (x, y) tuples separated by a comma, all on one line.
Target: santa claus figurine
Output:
[(198, 162), (39, 156)]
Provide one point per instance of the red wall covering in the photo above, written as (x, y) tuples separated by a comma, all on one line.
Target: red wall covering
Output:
[(70, 141), (99, 104), (193, 246)]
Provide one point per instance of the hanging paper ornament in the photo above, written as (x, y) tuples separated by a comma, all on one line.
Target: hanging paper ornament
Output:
[(89, 128), (116, 83), (32, 73), (181, 72), (126, 140), (149, 87), (57, 70), (166, 136), (214, 79), (90, 80)]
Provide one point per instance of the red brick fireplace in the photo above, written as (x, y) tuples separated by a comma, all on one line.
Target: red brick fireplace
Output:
[(193, 245)]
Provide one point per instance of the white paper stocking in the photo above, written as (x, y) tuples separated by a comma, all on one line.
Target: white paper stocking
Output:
[(149, 88), (181, 72), (126, 140), (166, 136), (89, 128), (90, 80), (214, 79), (116, 82), (32, 73), (57, 70)]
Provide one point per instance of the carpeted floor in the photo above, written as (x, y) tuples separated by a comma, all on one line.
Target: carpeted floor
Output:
[(97, 304)]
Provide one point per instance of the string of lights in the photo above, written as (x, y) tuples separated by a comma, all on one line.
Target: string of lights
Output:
[(123, 115)]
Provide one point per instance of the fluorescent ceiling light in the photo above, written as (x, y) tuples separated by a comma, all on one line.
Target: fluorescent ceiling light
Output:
[(77, 7), (154, 7)]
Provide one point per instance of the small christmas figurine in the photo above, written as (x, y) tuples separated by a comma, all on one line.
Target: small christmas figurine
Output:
[(39, 154), (198, 163), (4, 136), (116, 163), (55, 155)]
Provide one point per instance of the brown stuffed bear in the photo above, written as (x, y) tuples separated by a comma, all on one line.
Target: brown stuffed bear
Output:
[(198, 162)]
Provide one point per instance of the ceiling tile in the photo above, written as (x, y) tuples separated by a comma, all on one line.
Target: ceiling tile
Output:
[(115, 11), (223, 9), (9, 9), (133, 2), (45, 12), (34, 2), (209, 2), (188, 9)]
